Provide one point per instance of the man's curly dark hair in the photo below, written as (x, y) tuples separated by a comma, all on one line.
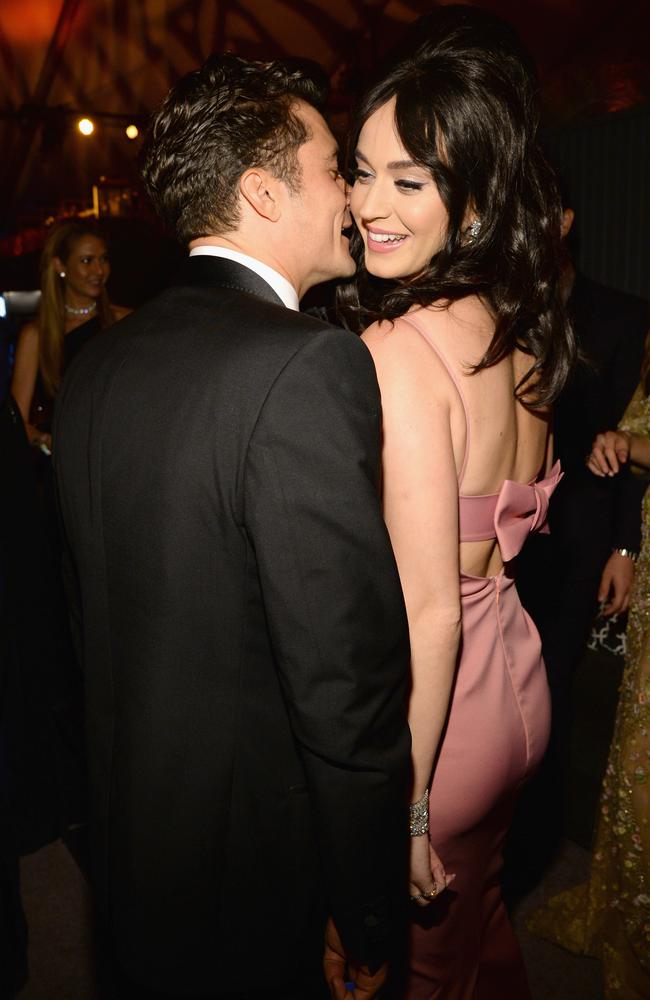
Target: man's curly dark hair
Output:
[(216, 123)]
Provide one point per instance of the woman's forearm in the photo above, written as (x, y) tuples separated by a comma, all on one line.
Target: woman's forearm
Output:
[(639, 449), (435, 639)]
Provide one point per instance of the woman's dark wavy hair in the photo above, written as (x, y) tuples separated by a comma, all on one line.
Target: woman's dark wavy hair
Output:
[(466, 109)]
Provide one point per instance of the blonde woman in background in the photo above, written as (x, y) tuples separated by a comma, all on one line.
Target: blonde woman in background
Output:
[(47, 749), (74, 307)]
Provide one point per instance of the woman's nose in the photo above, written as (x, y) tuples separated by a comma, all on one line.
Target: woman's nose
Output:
[(373, 202)]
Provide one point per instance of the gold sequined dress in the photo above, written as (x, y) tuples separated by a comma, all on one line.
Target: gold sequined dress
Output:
[(609, 916)]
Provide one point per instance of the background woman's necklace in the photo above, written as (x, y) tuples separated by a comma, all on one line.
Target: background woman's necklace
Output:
[(81, 311)]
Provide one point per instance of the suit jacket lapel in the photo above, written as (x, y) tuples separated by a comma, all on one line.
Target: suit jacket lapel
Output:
[(217, 272)]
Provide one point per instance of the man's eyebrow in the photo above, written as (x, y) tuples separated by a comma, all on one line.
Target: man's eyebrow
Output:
[(393, 165)]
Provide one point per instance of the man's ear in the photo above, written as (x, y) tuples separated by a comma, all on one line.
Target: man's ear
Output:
[(263, 193)]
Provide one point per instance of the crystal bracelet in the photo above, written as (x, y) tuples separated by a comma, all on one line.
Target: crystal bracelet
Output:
[(419, 816)]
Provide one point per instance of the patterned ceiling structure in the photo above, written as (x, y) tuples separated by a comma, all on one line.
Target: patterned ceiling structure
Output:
[(115, 59)]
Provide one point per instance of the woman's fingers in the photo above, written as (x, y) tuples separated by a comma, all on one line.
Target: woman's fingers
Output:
[(611, 458), (424, 895), (438, 874), (593, 466), (597, 457), (609, 451)]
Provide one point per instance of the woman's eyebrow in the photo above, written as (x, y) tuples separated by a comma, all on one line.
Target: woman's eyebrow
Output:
[(393, 165)]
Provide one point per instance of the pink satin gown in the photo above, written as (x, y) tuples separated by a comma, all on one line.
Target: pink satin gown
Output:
[(462, 945)]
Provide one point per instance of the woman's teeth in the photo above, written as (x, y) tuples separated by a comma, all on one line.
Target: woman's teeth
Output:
[(385, 237)]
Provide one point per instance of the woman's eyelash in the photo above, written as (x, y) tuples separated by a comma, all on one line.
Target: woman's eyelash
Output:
[(410, 185), (359, 174)]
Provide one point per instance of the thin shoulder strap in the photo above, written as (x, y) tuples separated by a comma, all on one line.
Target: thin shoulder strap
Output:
[(453, 376)]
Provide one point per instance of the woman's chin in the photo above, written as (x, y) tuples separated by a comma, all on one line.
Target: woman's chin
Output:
[(376, 269)]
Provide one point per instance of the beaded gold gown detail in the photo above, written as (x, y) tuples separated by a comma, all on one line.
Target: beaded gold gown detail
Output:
[(609, 916)]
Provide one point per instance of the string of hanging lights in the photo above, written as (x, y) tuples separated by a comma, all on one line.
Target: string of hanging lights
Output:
[(87, 123)]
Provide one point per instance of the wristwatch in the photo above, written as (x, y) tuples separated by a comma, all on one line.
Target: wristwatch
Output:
[(628, 553)]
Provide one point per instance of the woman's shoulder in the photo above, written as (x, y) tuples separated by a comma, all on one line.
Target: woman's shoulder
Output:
[(464, 326), (119, 312), (407, 357), (400, 328), (396, 338)]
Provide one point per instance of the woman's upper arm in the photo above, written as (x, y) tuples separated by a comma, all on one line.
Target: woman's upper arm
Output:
[(420, 489), (25, 368)]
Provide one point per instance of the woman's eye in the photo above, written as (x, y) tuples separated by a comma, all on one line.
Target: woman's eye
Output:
[(405, 185), (362, 176)]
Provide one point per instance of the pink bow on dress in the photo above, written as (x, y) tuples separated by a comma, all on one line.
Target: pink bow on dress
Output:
[(521, 509)]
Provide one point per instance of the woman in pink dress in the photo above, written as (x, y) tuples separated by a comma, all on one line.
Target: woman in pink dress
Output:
[(457, 230)]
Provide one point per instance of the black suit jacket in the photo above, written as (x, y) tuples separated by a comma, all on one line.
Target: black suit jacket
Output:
[(610, 330), (244, 635), (558, 574)]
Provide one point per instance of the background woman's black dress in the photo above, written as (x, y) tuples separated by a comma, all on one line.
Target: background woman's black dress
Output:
[(43, 691)]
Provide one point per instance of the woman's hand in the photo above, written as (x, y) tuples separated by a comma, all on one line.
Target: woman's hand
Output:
[(608, 452), (427, 875), (616, 583)]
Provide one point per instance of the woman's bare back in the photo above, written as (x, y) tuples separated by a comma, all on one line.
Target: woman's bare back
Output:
[(500, 438)]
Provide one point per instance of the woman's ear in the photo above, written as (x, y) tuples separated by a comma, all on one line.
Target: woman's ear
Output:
[(568, 215), (262, 192)]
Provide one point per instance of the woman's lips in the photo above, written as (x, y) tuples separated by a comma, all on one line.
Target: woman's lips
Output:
[(383, 244)]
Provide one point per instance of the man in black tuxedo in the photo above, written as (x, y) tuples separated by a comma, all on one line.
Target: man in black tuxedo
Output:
[(245, 642)]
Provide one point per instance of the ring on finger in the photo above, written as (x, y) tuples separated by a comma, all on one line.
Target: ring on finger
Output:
[(419, 895), (433, 892)]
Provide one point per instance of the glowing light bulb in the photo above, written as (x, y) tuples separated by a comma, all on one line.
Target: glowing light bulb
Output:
[(86, 126), (132, 131)]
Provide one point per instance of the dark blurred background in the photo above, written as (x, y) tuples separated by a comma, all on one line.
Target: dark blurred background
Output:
[(112, 61)]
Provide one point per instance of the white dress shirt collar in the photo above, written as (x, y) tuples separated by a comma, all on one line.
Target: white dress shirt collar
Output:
[(282, 288)]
